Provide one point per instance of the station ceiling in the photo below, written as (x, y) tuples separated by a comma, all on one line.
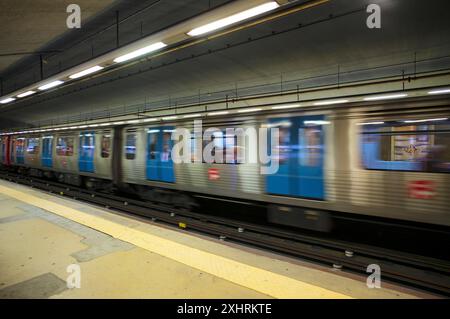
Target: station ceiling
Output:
[(28, 25), (307, 44)]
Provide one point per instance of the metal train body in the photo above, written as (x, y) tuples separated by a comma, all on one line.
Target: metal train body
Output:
[(329, 162)]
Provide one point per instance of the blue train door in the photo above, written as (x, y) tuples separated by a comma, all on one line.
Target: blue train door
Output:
[(311, 157), (159, 155), (153, 154), (3, 150), (281, 182), (300, 172), (86, 152), (47, 151), (20, 150)]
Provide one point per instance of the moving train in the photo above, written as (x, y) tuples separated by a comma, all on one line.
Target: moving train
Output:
[(389, 160)]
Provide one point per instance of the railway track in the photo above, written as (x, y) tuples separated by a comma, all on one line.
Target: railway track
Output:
[(425, 273)]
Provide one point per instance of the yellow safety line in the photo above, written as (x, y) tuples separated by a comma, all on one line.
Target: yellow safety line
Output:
[(263, 281)]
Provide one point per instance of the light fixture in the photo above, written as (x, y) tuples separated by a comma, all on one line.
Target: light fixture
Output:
[(150, 120), (8, 100), (86, 72), (148, 49), (427, 120), (133, 122), (50, 85), (218, 113), (385, 97), (119, 123), (168, 118), (244, 15), (191, 116), (443, 91), (250, 110), (153, 131), (332, 102), (28, 93), (371, 123), (283, 107)]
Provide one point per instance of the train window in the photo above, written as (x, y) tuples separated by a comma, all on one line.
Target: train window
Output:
[(310, 141), (33, 146), (166, 150), (153, 152), (421, 147), (130, 148), (64, 146), (20, 146), (285, 147), (106, 146)]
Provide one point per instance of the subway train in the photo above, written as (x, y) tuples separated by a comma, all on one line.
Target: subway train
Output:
[(387, 160)]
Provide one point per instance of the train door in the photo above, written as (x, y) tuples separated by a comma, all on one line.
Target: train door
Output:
[(4, 148), (311, 157), (159, 155), (86, 152), (20, 150), (300, 172), (47, 151), (8, 150), (281, 182), (12, 151)]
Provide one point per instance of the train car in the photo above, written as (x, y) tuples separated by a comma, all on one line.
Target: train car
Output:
[(394, 166), (371, 160), (81, 158)]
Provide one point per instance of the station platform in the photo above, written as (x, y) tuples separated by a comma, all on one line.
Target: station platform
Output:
[(120, 256)]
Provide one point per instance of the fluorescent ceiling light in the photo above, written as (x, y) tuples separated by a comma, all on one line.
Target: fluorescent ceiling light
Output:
[(428, 120), (444, 91), (250, 110), (218, 113), (8, 100), (372, 123), (191, 115), (168, 118), (148, 49), (86, 72), (283, 107), (119, 123), (150, 120), (331, 102), (133, 122), (28, 93), (153, 131), (50, 85), (385, 97), (244, 15)]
